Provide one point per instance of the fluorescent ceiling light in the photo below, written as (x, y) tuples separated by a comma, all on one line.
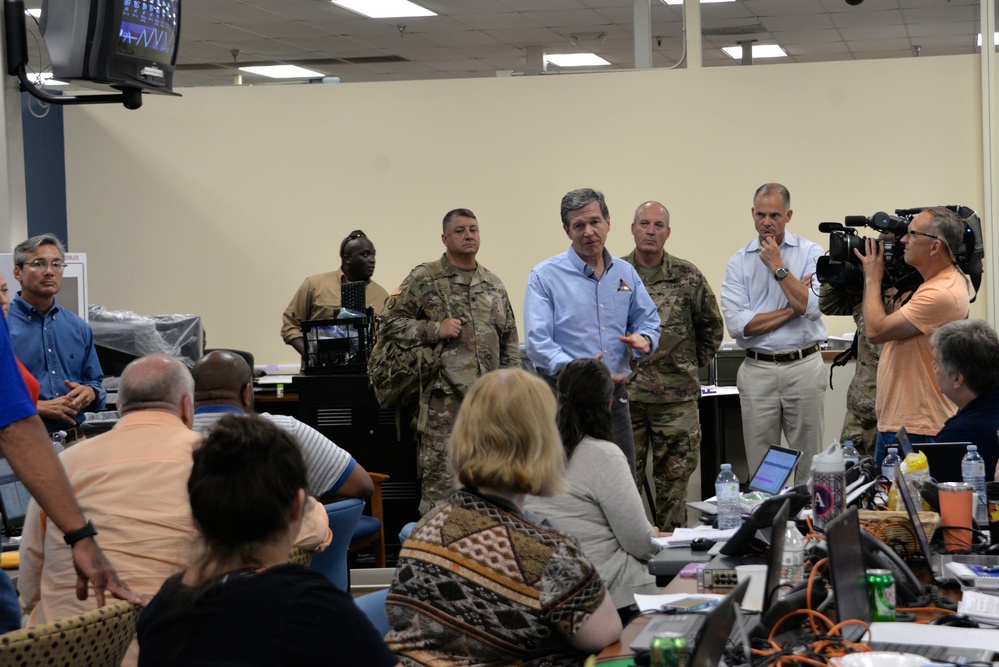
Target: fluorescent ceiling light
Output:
[(45, 79), (995, 39), (576, 60), (384, 9), (759, 51), (703, 2), (283, 72)]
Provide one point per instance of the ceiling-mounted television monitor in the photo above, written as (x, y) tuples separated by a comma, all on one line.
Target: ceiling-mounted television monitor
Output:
[(117, 43)]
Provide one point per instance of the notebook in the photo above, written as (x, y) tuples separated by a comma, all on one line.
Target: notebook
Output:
[(770, 476), (938, 562), (846, 564), (13, 503), (714, 628)]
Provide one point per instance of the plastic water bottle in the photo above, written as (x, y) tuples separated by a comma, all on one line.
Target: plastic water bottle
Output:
[(727, 492), (828, 485), (792, 569), (973, 472), (850, 453), (889, 463), (59, 441)]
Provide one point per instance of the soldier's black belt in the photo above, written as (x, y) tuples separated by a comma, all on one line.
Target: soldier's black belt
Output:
[(783, 357)]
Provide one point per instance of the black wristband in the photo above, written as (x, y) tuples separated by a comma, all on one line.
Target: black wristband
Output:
[(74, 536)]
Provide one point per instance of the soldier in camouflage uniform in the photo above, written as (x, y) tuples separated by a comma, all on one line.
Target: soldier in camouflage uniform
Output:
[(663, 389), (460, 303), (860, 424)]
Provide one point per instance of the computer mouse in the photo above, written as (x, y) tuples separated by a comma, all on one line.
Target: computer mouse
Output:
[(701, 544)]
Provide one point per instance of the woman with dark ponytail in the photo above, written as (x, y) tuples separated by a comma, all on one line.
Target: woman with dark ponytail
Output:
[(601, 506), (241, 602)]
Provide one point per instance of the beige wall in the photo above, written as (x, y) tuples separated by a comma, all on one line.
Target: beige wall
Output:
[(220, 202)]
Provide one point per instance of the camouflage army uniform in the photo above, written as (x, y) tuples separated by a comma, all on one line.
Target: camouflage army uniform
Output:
[(488, 341), (860, 424), (663, 389)]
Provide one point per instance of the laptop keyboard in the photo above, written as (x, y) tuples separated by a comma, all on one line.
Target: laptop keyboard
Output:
[(952, 654)]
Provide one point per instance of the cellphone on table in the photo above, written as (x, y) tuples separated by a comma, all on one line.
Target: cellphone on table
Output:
[(689, 604)]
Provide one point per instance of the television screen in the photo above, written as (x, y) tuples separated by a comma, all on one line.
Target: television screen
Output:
[(125, 44), (148, 29)]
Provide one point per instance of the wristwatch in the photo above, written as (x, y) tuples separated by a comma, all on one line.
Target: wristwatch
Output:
[(74, 536), (781, 273)]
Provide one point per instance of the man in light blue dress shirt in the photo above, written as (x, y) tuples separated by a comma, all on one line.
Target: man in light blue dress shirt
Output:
[(586, 303), (771, 309)]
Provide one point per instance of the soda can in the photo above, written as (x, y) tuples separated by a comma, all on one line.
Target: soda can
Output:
[(881, 592), (668, 649)]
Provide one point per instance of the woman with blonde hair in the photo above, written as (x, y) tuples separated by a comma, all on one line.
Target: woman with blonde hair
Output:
[(480, 581)]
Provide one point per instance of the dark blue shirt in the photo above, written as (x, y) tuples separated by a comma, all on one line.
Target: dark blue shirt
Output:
[(977, 423), (56, 347)]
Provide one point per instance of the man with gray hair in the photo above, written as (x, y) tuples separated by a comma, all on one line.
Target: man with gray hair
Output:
[(54, 344), (966, 364), (587, 303), (907, 393), (132, 482)]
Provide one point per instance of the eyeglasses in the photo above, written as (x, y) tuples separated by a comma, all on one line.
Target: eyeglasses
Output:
[(913, 232), (41, 265), (355, 235)]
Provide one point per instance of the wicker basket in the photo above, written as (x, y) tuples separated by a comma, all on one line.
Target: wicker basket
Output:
[(895, 529)]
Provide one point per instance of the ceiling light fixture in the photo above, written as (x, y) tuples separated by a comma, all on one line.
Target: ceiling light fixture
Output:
[(759, 51), (703, 2), (384, 9), (283, 72), (45, 79), (576, 60)]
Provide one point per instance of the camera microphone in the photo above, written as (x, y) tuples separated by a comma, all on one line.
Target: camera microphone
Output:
[(855, 220), (830, 227)]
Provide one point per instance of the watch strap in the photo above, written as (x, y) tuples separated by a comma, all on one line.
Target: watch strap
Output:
[(74, 536)]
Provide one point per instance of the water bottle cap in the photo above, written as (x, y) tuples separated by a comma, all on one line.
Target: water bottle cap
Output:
[(972, 448), (726, 466), (893, 450), (848, 443)]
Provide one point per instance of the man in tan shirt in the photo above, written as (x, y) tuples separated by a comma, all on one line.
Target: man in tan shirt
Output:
[(132, 482), (319, 296)]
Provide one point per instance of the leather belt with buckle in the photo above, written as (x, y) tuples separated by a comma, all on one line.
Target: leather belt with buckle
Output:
[(783, 357), (74, 434)]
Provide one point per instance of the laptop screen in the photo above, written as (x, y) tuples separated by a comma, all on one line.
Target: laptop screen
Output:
[(13, 499), (849, 577), (944, 459), (775, 556), (910, 507), (774, 471)]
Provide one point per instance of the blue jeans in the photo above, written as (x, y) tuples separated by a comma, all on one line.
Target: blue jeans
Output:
[(887, 439)]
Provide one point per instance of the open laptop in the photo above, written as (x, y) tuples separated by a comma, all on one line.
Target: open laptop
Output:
[(944, 459), (936, 562), (846, 564), (706, 634), (770, 476), (13, 504)]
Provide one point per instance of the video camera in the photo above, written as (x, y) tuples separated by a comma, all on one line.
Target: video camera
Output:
[(841, 267)]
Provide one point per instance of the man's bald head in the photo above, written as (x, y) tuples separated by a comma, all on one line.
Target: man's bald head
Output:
[(155, 382), (221, 378)]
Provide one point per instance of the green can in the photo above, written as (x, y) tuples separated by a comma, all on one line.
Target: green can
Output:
[(881, 592), (668, 649)]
